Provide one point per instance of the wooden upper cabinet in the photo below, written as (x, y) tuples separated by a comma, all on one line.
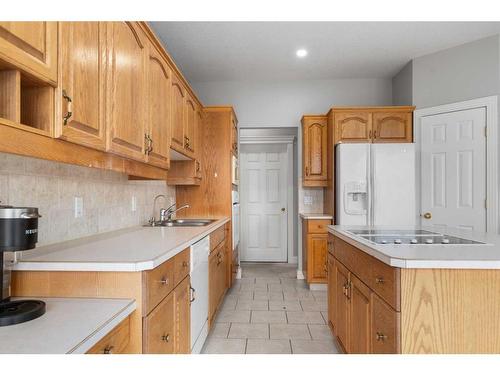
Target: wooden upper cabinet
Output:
[(80, 96), (160, 110), (126, 111), (353, 127), (31, 46), (392, 127), (314, 150), (190, 125), (178, 98)]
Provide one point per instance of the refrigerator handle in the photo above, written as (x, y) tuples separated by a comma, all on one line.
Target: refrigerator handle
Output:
[(369, 179)]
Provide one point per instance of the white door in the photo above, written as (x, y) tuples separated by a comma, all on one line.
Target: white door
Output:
[(263, 199), (453, 169)]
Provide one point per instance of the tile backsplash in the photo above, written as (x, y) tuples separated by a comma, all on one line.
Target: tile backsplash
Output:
[(310, 199), (52, 187)]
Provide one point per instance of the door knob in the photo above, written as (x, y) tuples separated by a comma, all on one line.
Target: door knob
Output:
[(427, 215), (283, 209)]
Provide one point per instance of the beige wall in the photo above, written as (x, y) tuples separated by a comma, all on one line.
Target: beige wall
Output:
[(107, 196)]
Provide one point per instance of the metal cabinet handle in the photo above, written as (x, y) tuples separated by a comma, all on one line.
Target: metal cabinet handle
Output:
[(379, 280), (164, 280), (381, 336), (193, 295), (307, 171), (186, 142), (185, 264), (148, 141), (370, 134), (374, 134), (69, 113), (166, 338), (108, 349), (198, 166)]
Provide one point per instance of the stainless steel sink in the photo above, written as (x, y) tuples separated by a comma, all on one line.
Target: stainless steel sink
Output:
[(182, 223)]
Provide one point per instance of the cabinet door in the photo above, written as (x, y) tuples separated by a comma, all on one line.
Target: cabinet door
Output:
[(159, 106), (178, 97), (182, 317), (159, 328), (342, 304), (314, 152), (359, 317), (317, 248), (125, 106), (353, 127), (190, 121), (392, 127), (385, 334), (213, 284), (31, 46), (332, 287), (81, 52)]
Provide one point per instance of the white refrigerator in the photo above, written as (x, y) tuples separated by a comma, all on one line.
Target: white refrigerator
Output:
[(375, 184)]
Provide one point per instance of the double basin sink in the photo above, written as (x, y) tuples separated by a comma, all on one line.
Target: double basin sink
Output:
[(181, 223)]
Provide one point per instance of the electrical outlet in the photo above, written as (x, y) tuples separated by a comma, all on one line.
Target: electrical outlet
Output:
[(308, 200), (134, 204), (78, 207)]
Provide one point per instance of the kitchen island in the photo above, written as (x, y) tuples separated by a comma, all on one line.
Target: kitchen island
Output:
[(414, 290)]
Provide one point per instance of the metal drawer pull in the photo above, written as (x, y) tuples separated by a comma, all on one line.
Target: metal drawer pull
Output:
[(193, 295), (108, 349), (166, 338), (379, 280), (164, 280), (68, 114), (381, 336), (185, 264)]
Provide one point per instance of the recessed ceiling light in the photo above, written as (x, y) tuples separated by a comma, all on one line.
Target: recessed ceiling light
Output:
[(301, 52)]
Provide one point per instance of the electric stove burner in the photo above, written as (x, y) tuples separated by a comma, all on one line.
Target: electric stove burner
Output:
[(434, 239), (15, 312)]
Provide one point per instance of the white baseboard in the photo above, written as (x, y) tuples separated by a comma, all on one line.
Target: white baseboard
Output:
[(300, 275), (318, 287)]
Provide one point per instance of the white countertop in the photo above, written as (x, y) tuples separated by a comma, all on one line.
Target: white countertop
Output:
[(127, 250), (69, 325), (315, 216), (478, 256)]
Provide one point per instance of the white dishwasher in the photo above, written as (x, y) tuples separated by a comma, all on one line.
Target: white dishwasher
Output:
[(199, 294)]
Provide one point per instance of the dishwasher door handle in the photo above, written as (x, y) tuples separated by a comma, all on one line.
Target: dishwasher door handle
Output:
[(193, 296)]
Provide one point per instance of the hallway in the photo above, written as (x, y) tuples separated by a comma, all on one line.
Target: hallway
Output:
[(269, 311)]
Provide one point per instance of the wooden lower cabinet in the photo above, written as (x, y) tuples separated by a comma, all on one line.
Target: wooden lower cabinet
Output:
[(315, 250), (115, 342), (359, 317), (217, 279), (182, 298), (159, 328)]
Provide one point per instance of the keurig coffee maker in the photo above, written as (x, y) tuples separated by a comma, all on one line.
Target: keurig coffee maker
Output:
[(18, 232)]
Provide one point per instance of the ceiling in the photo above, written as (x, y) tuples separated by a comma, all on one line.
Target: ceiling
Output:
[(246, 51)]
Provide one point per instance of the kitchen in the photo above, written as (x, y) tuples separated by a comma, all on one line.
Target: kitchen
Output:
[(290, 206)]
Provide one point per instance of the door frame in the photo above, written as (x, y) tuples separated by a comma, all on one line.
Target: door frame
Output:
[(289, 140), (490, 104)]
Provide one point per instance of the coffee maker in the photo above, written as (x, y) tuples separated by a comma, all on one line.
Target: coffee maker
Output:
[(18, 232)]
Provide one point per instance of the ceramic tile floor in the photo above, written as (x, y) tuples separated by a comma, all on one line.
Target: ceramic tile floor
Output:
[(269, 311)]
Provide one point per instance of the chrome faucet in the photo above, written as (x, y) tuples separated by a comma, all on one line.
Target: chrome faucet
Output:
[(152, 220), (166, 214)]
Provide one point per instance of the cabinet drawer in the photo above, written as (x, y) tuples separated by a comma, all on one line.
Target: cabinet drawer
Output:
[(385, 328), (216, 237), (159, 328), (157, 283), (317, 226), (380, 277), (114, 342), (181, 265)]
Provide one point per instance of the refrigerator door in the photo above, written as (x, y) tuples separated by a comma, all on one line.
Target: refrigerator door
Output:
[(393, 184), (352, 185)]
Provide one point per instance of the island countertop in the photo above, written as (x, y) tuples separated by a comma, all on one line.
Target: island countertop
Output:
[(127, 250), (69, 326), (451, 256)]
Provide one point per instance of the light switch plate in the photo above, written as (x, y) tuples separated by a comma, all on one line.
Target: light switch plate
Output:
[(78, 207), (308, 200)]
